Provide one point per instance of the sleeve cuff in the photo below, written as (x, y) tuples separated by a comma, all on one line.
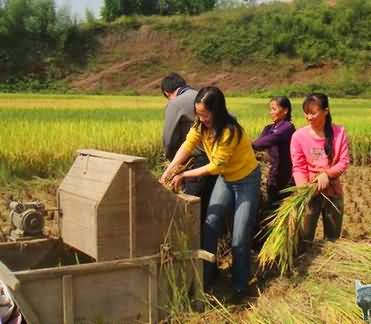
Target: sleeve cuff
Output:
[(300, 178), (188, 147), (213, 168)]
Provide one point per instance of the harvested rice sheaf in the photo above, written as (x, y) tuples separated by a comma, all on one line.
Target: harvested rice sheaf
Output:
[(321, 289), (283, 229), (175, 171)]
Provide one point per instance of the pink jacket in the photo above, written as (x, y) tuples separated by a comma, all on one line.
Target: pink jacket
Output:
[(309, 158)]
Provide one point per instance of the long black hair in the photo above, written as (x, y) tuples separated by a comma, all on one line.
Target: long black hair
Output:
[(214, 101), (284, 103), (321, 100)]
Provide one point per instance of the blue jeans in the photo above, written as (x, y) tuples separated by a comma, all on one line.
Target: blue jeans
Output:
[(240, 200)]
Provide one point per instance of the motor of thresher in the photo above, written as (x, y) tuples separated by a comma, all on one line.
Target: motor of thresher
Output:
[(27, 220)]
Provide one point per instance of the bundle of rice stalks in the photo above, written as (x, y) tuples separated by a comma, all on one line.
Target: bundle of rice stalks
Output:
[(324, 294), (283, 229), (311, 301), (175, 171), (343, 260), (177, 273), (332, 302), (290, 307)]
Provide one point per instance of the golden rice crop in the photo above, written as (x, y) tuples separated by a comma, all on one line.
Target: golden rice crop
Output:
[(40, 133), (283, 229)]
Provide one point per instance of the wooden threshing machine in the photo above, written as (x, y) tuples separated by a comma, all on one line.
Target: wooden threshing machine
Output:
[(117, 225)]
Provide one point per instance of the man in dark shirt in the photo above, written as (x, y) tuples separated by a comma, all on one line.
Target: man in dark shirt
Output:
[(179, 117)]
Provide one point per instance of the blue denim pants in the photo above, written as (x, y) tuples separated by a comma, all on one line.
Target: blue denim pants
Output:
[(240, 200)]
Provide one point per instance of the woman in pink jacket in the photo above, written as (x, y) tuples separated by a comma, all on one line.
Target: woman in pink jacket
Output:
[(319, 152)]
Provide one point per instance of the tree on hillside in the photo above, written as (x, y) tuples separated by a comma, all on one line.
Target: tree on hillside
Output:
[(115, 8), (111, 9), (148, 7), (34, 38), (43, 18), (191, 7), (224, 4), (90, 17)]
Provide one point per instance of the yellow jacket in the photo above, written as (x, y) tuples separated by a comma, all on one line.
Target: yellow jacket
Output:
[(232, 160)]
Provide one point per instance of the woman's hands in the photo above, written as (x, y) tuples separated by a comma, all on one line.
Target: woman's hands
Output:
[(172, 180), (323, 181), (173, 168), (177, 181), (166, 175)]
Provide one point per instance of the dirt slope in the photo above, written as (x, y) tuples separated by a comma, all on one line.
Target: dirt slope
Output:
[(136, 61)]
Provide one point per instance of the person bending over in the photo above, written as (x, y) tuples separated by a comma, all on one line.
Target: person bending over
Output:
[(179, 117)]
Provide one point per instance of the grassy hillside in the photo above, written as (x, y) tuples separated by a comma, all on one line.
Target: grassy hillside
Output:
[(274, 48)]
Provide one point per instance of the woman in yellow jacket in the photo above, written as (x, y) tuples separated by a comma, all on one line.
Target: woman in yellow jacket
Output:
[(236, 192)]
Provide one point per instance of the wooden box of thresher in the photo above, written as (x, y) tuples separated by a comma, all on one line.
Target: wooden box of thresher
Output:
[(113, 208), (118, 228)]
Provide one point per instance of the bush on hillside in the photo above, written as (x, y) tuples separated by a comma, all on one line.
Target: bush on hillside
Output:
[(35, 38), (311, 30)]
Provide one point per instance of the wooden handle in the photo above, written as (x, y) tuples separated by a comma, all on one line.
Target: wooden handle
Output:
[(204, 255)]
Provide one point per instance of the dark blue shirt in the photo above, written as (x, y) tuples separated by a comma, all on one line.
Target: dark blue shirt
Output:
[(276, 138)]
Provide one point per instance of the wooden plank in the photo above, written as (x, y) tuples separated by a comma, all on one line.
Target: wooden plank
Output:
[(79, 228), (118, 190), (132, 211), (188, 198), (204, 255), (112, 232), (198, 269), (93, 168), (90, 177), (84, 188), (96, 267), (114, 240), (191, 224), (153, 305), (122, 291), (114, 296), (112, 156), (83, 269), (156, 207), (105, 197), (67, 291), (44, 297), (8, 278)]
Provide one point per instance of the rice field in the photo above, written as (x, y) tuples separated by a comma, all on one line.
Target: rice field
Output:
[(39, 134)]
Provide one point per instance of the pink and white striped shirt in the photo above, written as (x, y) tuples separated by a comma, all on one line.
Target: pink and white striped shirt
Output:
[(309, 157)]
